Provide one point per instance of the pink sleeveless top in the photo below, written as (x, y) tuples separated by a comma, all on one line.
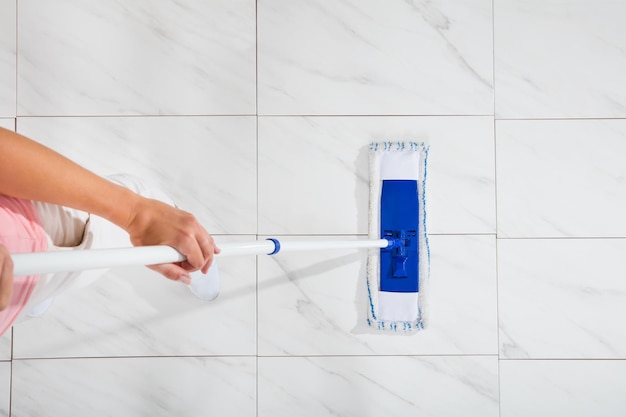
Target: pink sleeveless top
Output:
[(20, 231)]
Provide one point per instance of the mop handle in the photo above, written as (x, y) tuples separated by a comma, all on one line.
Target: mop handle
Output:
[(76, 260)]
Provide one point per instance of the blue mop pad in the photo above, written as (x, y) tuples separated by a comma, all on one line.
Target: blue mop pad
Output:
[(397, 276)]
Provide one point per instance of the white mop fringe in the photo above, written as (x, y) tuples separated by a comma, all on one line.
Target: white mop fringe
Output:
[(400, 160)]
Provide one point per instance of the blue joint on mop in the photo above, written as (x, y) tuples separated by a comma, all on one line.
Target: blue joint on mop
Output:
[(399, 224), (276, 246)]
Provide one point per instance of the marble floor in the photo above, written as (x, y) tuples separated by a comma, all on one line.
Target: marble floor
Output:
[(256, 117)]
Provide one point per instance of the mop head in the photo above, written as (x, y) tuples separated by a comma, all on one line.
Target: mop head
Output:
[(397, 276)]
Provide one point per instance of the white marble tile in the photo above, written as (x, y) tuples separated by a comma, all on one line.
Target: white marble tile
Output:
[(561, 178), (367, 57), (137, 312), (314, 179), (5, 388), (560, 59), (7, 123), (206, 164), (562, 388), (315, 303), (171, 57), (378, 386), (6, 345), (8, 19), (562, 298), (135, 387)]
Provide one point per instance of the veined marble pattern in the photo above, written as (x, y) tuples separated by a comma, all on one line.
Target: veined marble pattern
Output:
[(136, 312), (559, 178), (562, 298), (367, 57), (562, 388), (316, 303), (312, 166), (7, 58), (525, 216), (206, 164), (137, 387), (560, 59), (171, 57), (378, 386)]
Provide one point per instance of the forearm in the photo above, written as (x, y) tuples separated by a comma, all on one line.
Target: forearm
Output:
[(31, 171)]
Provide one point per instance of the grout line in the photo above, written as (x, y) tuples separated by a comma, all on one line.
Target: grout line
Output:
[(493, 57), (10, 411), (376, 115), (495, 173), (256, 330), (17, 22), (257, 115), (561, 359), (256, 357), (464, 234), (131, 116), (340, 356), (71, 358), (558, 118), (256, 97), (390, 355), (495, 141), (295, 234), (357, 234), (495, 177), (11, 373), (498, 311), (562, 238), (256, 261)]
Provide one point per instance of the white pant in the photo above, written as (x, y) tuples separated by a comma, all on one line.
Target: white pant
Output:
[(70, 229)]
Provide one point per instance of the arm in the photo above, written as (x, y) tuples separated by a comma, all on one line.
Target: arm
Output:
[(31, 171), (6, 277)]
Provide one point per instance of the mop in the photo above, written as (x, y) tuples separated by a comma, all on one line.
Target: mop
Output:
[(397, 275), (398, 254)]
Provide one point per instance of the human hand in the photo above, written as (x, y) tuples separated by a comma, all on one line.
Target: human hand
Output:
[(6, 277), (155, 223)]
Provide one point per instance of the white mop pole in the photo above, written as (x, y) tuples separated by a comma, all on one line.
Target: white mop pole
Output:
[(76, 260)]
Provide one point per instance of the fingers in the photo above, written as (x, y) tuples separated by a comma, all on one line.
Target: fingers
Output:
[(157, 223), (6, 278), (209, 250), (201, 256), (173, 272), (199, 248)]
